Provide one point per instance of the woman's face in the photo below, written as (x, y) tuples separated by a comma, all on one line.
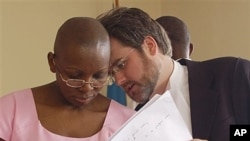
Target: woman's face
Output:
[(81, 72)]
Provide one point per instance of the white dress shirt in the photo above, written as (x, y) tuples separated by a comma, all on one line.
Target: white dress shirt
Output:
[(178, 87)]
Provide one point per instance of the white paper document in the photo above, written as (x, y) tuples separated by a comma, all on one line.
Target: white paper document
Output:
[(158, 120)]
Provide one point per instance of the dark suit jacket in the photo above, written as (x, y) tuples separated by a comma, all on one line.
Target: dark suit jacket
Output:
[(219, 96)]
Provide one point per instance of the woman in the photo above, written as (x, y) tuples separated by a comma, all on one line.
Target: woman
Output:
[(71, 108)]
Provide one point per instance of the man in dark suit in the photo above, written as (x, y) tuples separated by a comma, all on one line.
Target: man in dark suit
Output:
[(210, 95)]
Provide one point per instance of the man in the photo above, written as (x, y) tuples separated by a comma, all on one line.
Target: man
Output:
[(210, 95), (179, 36)]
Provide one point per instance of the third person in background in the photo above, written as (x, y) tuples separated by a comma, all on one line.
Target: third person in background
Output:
[(179, 36)]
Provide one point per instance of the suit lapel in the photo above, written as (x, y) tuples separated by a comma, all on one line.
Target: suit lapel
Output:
[(203, 99)]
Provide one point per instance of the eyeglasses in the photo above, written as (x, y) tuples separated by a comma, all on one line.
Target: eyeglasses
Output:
[(77, 83), (120, 65)]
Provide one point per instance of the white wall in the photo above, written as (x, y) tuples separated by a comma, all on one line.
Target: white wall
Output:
[(1, 52), (218, 27), (28, 29)]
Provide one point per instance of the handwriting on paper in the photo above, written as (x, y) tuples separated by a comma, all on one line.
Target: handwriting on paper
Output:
[(158, 120)]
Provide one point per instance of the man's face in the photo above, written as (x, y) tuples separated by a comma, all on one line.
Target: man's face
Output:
[(133, 71)]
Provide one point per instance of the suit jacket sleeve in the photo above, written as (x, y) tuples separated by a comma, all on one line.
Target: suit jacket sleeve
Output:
[(241, 91)]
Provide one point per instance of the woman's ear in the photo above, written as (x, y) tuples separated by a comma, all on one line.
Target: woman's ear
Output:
[(51, 62), (150, 45)]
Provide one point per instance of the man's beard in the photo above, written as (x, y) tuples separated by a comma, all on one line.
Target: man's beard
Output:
[(147, 82)]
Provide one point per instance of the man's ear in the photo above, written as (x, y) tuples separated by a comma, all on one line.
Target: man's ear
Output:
[(191, 48), (150, 45), (51, 62)]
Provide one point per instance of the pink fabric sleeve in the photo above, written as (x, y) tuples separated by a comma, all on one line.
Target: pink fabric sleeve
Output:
[(7, 110)]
